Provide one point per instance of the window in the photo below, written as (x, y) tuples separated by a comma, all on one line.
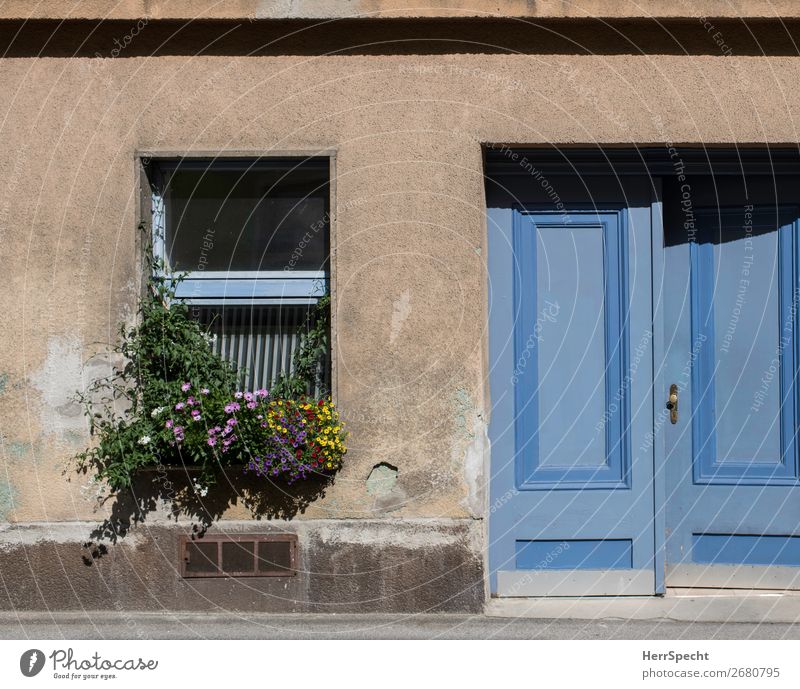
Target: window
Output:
[(252, 237)]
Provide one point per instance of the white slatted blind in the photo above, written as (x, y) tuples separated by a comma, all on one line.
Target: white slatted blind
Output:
[(259, 339)]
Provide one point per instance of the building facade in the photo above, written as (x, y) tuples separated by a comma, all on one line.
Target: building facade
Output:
[(539, 224)]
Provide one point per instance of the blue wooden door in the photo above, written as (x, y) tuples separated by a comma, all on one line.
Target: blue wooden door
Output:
[(571, 509), (730, 334)]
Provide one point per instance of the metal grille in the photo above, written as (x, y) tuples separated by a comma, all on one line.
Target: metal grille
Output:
[(239, 555), (260, 340)]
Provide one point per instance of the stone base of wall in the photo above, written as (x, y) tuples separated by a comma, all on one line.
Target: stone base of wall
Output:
[(345, 566)]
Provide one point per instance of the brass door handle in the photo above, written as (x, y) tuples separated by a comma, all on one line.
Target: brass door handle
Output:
[(672, 403)]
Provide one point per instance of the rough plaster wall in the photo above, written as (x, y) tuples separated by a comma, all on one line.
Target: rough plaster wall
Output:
[(410, 245)]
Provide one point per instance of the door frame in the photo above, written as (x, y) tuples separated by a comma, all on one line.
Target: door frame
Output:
[(656, 162)]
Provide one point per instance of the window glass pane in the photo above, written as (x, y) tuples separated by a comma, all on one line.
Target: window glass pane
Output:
[(224, 219)]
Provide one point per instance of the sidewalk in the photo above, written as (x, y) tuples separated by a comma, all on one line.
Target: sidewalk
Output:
[(170, 625)]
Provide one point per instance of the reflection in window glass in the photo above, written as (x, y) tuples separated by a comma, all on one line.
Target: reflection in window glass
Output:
[(246, 220)]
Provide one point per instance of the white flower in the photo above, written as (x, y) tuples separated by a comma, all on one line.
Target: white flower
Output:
[(200, 490), (156, 411), (144, 440)]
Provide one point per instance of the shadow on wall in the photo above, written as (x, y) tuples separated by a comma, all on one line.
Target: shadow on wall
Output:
[(175, 487)]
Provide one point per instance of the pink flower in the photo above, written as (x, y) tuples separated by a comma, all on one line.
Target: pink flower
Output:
[(238, 395), (169, 423), (179, 406), (262, 392), (251, 405), (186, 386), (212, 441), (204, 391), (232, 407)]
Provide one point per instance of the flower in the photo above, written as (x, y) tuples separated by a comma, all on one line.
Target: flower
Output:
[(144, 440), (170, 423), (238, 395), (262, 393), (232, 407), (157, 411), (186, 387), (204, 391), (179, 406)]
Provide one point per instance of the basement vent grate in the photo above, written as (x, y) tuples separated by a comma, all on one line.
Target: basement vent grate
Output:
[(240, 555)]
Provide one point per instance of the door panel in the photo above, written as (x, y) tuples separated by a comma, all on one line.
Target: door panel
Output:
[(733, 501), (568, 348), (570, 337)]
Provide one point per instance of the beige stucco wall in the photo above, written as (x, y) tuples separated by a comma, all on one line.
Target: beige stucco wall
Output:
[(410, 276)]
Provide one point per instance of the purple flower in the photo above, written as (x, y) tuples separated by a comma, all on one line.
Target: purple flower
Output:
[(169, 423), (238, 395), (204, 391), (230, 422), (191, 401), (186, 386), (262, 392), (179, 406), (251, 405), (212, 441), (196, 414), (232, 407)]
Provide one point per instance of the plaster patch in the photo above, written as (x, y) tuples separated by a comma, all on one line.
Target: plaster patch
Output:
[(406, 534), (14, 536), (463, 410), (7, 495), (19, 449), (474, 471), (470, 447), (401, 310), (382, 479), (58, 380)]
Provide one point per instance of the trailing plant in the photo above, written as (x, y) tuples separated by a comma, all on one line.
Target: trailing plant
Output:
[(175, 401)]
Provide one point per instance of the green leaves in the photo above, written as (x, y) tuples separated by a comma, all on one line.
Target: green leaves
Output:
[(307, 374), (167, 348)]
